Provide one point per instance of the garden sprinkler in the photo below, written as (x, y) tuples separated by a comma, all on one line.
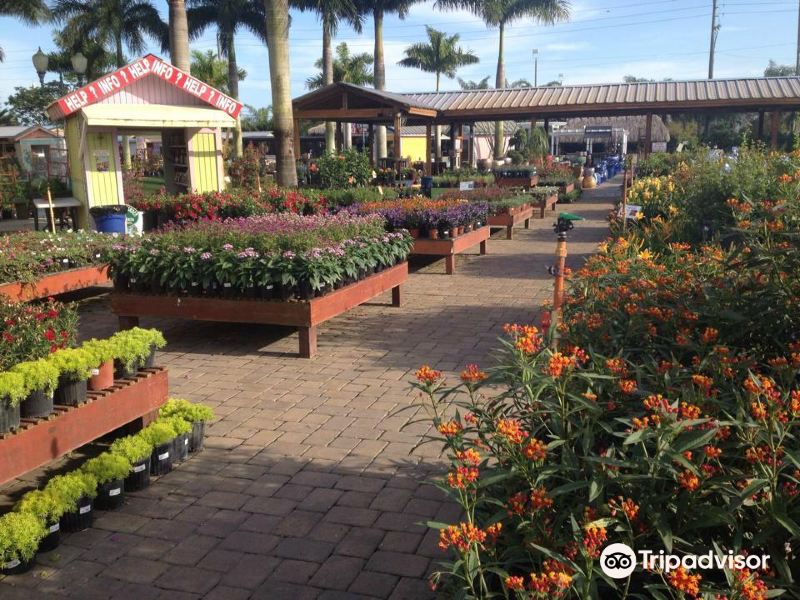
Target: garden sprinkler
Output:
[(565, 223)]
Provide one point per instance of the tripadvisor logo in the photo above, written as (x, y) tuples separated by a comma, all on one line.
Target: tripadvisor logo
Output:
[(618, 561)]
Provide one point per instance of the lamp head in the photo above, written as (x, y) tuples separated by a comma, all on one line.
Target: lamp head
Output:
[(40, 62), (79, 63)]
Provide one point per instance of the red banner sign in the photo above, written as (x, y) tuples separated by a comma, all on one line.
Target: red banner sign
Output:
[(149, 65)]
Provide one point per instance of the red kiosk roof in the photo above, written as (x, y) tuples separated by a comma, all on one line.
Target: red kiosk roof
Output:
[(149, 65)]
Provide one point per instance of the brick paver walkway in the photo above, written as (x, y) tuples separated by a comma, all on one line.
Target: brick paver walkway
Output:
[(306, 488)]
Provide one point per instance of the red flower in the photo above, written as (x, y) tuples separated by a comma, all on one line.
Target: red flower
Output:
[(50, 335)]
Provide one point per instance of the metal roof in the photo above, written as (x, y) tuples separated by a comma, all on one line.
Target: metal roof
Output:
[(754, 93)]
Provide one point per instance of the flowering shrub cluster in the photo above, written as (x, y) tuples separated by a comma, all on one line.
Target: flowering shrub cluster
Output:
[(662, 412), (26, 257), (278, 256), (348, 169), (557, 174), (420, 213), (33, 331)]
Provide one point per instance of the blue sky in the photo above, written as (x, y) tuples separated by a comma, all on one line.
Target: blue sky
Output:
[(603, 42)]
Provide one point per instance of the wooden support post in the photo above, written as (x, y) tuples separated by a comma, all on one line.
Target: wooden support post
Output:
[(774, 127), (428, 130), (648, 135), (452, 146), (450, 263), (398, 132), (483, 247), (371, 143), (397, 296), (760, 130), (308, 341), (297, 139)]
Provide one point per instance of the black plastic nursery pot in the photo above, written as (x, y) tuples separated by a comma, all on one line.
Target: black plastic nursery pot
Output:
[(150, 361), (122, 372), (139, 477), (110, 494), (180, 447), (9, 416), (37, 404), (198, 433), (70, 393), (17, 567), (161, 459), (53, 538), (79, 519)]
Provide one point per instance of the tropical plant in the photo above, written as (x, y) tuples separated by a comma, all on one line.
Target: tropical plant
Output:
[(68, 43), (28, 11), (73, 364), (107, 467), (228, 16), (330, 13), (178, 35), (189, 411), (211, 69), (39, 375), (20, 534), (440, 55), (257, 119), (379, 9), (483, 84), (12, 389), (277, 18), (500, 14), (134, 448)]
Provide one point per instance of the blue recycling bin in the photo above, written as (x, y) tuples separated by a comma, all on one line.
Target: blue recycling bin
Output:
[(110, 223), (427, 186)]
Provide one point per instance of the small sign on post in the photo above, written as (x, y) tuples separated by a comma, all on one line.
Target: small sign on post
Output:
[(466, 186), (630, 211)]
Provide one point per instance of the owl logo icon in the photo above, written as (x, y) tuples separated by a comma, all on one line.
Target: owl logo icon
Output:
[(618, 561)]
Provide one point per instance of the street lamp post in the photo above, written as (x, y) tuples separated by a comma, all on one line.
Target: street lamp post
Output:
[(561, 78), (79, 64), (535, 67), (40, 62)]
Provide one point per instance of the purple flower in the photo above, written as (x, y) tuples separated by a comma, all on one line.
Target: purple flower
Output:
[(205, 256)]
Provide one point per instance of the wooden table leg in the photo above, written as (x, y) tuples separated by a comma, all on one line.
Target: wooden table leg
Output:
[(510, 232), (397, 296), (308, 341), (128, 322), (483, 247), (527, 223), (450, 264)]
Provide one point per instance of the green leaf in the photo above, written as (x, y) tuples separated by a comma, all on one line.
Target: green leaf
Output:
[(693, 439)]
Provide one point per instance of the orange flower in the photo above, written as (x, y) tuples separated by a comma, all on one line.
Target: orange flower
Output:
[(689, 411), (627, 386), (511, 430), (471, 375), (427, 376), (461, 477), (535, 450), (558, 364), (470, 456), (712, 452), (593, 539), (460, 536), (618, 366), (514, 582), (683, 582), (709, 336), (689, 481), (758, 410), (539, 499), (450, 428)]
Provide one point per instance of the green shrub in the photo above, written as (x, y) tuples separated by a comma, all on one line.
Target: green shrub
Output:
[(184, 409), (178, 424), (12, 388), (101, 351), (43, 504), (70, 488), (20, 534), (350, 168), (73, 364), (152, 337), (107, 467), (133, 346), (38, 375), (134, 448), (158, 433), (540, 193)]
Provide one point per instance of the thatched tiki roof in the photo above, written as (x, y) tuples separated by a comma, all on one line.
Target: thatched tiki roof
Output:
[(635, 125)]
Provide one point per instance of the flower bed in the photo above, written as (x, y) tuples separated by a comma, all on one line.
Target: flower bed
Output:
[(33, 331), (435, 219), (26, 257), (666, 420), (281, 256)]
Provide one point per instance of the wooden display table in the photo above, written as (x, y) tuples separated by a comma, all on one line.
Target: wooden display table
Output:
[(54, 284), (548, 202), (567, 188), (38, 441), (509, 220), (448, 248), (517, 182), (303, 314)]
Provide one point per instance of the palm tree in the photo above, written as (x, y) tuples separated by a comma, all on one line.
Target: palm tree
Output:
[(330, 13), (348, 68), (501, 13), (277, 13), (378, 9), (178, 35), (29, 11), (440, 55), (210, 68), (483, 84), (228, 16)]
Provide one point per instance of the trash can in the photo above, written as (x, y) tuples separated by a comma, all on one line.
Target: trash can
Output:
[(427, 186), (111, 218)]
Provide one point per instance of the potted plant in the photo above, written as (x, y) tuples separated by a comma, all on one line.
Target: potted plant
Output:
[(12, 392), (197, 414), (47, 507), (20, 534), (160, 436), (110, 471), (102, 371), (74, 367), (77, 491), (183, 431), (41, 378), (136, 450)]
